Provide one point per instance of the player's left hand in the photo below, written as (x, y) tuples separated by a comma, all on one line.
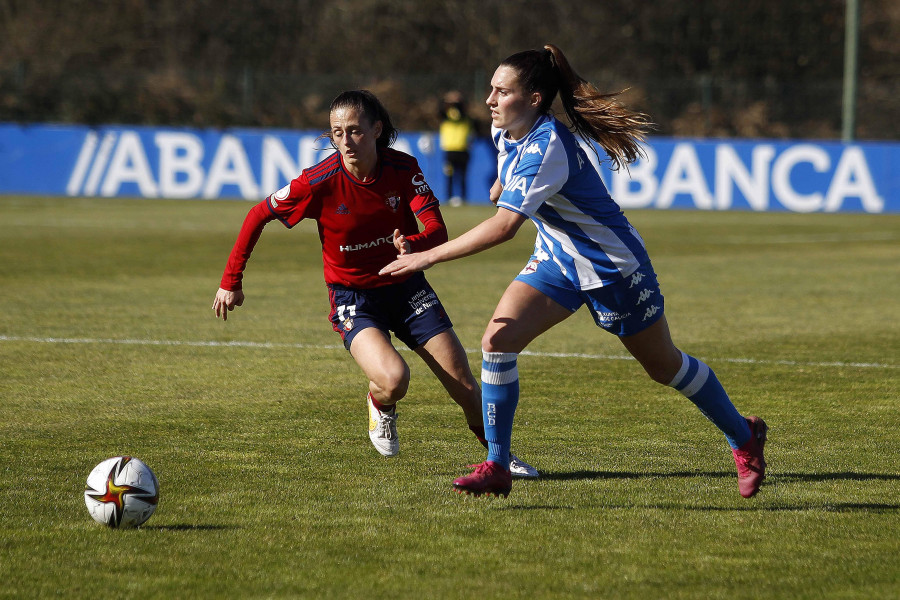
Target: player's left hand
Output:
[(400, 243), (406, 264), (495, 192)]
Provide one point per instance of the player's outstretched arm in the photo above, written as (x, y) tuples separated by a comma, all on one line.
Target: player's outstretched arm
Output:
[(496, 230), (226, 300)]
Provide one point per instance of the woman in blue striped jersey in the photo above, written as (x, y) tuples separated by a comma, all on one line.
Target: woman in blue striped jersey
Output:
[(586, 253)]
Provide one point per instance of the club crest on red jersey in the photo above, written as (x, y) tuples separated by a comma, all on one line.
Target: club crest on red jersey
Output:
[(393, 201)]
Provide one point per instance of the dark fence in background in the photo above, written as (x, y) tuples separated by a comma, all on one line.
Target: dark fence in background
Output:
[(712, 68)]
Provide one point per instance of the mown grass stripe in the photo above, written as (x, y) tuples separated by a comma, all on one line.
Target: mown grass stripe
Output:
[(300, 346)]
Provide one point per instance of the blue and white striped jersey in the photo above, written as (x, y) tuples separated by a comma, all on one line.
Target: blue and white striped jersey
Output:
[(548, 178)]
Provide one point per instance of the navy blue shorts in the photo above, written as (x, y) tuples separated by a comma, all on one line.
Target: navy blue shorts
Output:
[(623, 308), (411, 310)]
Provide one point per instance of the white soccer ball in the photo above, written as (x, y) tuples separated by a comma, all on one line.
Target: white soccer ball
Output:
[(121, 492)]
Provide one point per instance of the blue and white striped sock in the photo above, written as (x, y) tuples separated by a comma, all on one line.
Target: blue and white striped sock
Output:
[(698, 382), (499, 399)]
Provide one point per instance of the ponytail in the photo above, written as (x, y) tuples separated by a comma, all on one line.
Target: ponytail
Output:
[(592, 114)]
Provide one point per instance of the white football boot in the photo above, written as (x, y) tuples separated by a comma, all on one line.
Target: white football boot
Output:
[(383, 429), (520, 468)]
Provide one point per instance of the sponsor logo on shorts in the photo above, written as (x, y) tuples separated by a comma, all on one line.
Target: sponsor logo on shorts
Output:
[(423, 300), (608, 319)]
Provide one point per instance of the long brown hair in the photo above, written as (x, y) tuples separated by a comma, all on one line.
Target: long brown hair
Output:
[(592, 114)]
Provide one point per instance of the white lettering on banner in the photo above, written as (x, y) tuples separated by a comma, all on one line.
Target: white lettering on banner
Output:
[(781, 177), (181, 171), (129, 165), (753, 184), (82, 164), (684, 176), (93, 181), (277, 164), (801, 177), (853, 178), (640, 187), (179, 154), (641, 175), (230, 166)]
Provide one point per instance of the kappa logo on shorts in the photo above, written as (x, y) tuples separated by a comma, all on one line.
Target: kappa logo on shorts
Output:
[(636, 279), (650, 312), (645, 293)]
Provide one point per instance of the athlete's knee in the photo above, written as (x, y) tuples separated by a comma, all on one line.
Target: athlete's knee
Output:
[(663, 369), (392, 384), (660, 373), (498, 339)]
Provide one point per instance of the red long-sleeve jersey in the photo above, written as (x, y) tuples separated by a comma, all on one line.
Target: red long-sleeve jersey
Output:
[(356, 220)]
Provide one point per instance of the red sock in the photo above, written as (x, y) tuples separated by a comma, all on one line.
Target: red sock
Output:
[(381, 407), (478, 430)]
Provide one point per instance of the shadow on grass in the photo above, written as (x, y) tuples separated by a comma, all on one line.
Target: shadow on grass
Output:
[(772, 481), (837, 507), (189, 527), (773, 476), (576, 475)]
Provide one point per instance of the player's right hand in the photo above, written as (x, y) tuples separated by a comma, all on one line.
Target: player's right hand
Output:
[(226, 300)]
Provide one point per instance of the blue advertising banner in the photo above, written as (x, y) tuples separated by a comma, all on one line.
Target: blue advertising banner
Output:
[(164, 162)]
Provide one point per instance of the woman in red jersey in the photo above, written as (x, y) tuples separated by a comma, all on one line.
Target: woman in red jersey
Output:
[(366, 199)]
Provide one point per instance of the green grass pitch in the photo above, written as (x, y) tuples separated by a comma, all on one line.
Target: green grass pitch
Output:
[(270, 488)]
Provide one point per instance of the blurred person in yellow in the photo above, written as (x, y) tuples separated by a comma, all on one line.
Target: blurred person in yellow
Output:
[(456, 133)]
